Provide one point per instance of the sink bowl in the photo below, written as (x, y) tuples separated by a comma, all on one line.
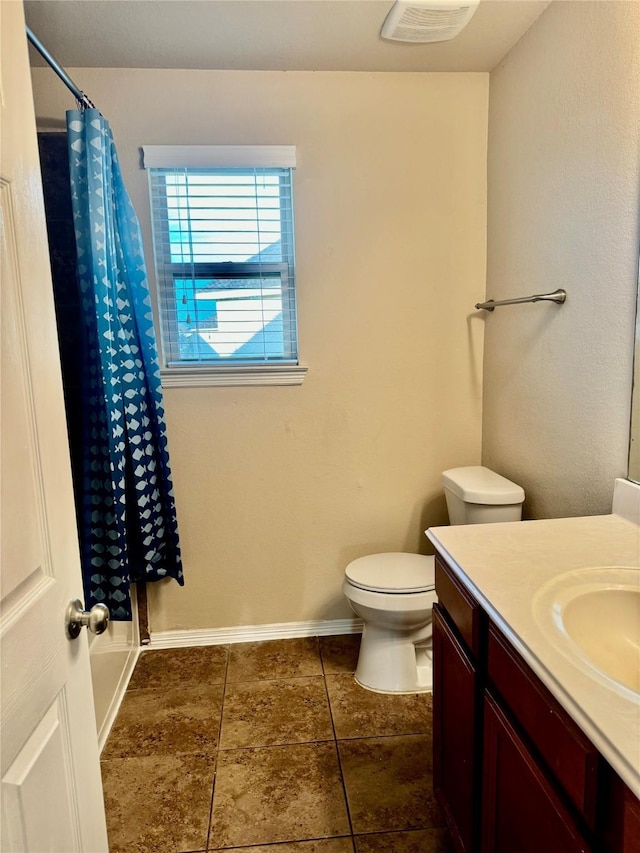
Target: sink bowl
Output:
[(593, 616)]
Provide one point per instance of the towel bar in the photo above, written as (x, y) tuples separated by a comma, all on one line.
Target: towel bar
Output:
[(558, 296)]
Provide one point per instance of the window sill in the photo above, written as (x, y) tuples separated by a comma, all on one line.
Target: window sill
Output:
[(199, 377)]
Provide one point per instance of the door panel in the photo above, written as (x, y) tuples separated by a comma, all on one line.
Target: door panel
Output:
[(49, 763), (22, 539), (455, 722), (520, 809), (44, 754)]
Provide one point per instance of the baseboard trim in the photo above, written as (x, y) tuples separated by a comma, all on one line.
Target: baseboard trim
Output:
[(118, 696), (254, 633)]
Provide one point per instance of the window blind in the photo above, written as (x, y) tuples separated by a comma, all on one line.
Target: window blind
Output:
[(224, 253)]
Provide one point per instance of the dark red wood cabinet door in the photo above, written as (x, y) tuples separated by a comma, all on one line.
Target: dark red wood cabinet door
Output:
[(455, 719), (521, 811)]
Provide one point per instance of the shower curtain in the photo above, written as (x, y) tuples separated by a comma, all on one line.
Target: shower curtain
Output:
[(128, 528)]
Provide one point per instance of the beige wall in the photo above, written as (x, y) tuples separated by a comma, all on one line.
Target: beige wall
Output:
[(278, 488), (563, 179)]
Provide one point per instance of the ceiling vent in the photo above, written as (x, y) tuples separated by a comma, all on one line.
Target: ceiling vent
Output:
[(420, 21)]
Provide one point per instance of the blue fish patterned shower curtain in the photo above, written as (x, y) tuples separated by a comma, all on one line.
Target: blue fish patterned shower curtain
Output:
[(128, 529)]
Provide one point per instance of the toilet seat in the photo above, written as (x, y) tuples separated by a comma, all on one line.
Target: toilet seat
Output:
[(392, 573)]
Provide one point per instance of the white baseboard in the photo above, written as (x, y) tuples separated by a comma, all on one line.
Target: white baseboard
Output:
[(253, 633), (118, 696)]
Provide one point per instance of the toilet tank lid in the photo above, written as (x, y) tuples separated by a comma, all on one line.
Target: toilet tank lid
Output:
[(392, 572), (478, 485)]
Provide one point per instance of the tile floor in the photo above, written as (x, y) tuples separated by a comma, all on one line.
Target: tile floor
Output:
[(270, 747)]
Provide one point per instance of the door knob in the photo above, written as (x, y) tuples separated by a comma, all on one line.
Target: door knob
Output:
[(96, 619)]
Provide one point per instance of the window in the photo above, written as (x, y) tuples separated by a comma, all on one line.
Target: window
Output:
[(224, 255)]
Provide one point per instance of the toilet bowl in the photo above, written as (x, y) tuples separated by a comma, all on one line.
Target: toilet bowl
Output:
[(393, 593)]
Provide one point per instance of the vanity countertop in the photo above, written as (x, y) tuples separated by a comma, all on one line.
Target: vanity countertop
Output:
[(506, 565)]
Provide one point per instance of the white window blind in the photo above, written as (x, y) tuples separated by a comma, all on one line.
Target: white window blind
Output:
[(224, 253)]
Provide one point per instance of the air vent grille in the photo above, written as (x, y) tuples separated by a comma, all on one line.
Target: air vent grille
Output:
[(418, 21)]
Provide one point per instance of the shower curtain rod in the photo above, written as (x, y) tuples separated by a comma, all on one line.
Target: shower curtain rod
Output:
[(62, 74)]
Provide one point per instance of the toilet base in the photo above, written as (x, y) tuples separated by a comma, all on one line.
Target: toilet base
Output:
[(428, 689), (393, 663)]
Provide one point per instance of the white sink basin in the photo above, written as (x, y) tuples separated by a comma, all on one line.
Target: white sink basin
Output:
[(593, 617)]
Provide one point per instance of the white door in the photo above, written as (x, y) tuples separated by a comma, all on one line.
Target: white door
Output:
[(50, 773)]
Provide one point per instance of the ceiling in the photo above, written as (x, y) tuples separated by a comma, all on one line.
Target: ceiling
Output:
[(289, 35)]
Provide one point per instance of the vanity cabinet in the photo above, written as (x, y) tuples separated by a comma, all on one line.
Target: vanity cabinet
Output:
[(520, 808), (512, 770), (455, 719)]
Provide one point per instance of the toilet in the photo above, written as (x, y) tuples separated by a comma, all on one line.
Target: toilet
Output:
[(393, 593)]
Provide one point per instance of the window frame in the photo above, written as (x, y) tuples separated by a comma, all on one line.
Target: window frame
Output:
[(176, 372)]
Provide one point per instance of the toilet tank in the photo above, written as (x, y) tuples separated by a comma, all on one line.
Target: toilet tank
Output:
[(477, 495)]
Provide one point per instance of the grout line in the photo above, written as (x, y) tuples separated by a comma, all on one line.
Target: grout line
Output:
[(317, 740), (276, 678), (335, 740), (182, 685), (276, 844), (215, 771), (277, 745), (398, 831)]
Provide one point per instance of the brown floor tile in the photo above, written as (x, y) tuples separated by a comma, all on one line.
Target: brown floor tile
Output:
[(389, 783), (362, 713), (170, 667), (277, 793), (164, 722), (323, 845), (158, 804), (340, 654), (274, 659), (264, 713), (418, 841)]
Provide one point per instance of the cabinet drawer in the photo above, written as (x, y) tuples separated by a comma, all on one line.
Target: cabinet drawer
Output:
[(463, 609), (567, 752)]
